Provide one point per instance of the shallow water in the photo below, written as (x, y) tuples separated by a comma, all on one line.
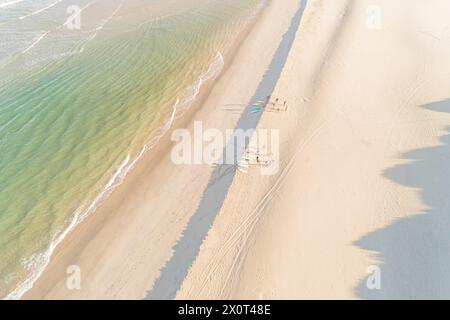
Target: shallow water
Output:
[(78, 107)]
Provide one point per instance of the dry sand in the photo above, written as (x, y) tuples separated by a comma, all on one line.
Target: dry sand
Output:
[(362, 178), (346, 198)]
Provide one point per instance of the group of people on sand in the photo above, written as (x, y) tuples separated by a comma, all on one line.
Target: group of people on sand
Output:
[(276, 105)]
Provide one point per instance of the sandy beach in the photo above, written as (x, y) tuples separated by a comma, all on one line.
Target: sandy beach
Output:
[(362, 180)]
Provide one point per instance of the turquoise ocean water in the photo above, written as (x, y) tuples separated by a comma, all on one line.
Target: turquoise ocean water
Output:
[(86, 87)]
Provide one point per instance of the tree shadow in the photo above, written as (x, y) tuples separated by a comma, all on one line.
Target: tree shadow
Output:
[(414, 252)]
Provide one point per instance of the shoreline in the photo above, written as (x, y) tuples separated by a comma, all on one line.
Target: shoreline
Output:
[(114, 182), (153, 154), (114, 177), (362, 161)]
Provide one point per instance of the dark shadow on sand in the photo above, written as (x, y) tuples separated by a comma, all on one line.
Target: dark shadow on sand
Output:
[(188, 247), (414, 252)]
